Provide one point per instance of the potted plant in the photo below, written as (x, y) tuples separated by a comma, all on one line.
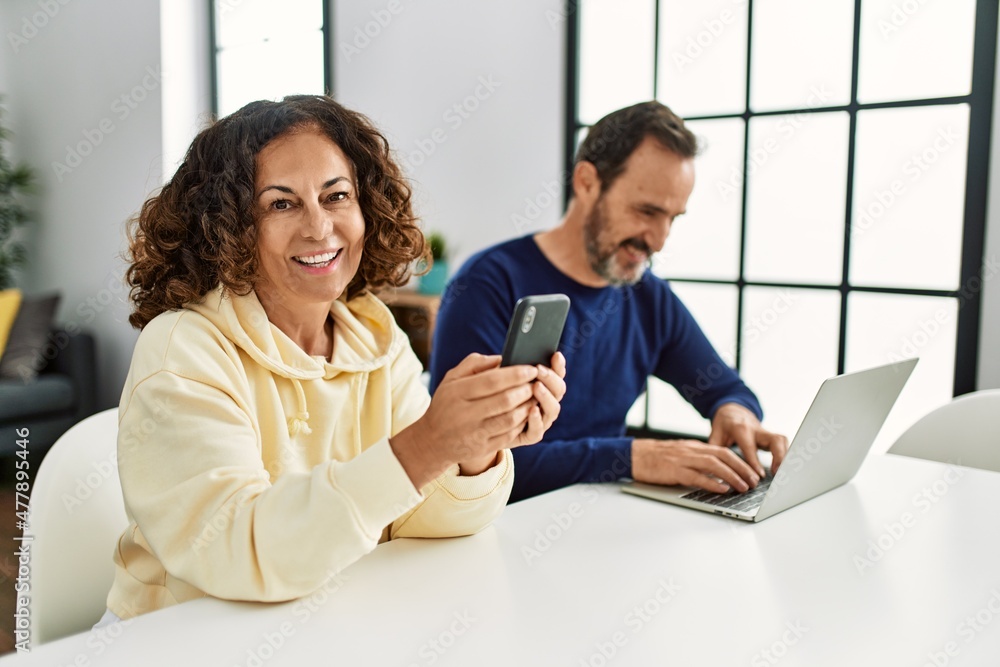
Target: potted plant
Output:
[(434, 280), (13, 181)]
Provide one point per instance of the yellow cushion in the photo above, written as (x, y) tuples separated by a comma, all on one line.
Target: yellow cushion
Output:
[(10, 302)]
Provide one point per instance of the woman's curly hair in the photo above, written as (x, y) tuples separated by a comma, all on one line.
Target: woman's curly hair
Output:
[(200, 230)]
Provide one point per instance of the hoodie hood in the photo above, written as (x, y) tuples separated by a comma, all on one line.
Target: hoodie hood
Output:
[(365, 338)]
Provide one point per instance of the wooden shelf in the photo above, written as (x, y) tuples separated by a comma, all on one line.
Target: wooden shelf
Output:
[(416, 315)]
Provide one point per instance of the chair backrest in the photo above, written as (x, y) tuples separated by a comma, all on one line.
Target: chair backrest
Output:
[(77, 516), (965, 431)]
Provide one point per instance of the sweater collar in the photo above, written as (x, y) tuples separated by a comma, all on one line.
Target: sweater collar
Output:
[(365, 336)]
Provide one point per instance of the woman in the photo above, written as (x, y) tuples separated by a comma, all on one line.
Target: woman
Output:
[(273, 428)]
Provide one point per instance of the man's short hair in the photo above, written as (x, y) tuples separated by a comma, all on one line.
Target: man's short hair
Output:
[(613, 139)]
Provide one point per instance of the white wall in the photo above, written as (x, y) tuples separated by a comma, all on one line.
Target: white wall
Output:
[(186, 102), (989, 331), (406, 64), (64, 88)]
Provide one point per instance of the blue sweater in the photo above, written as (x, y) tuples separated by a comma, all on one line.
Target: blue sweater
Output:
[(615, 337)]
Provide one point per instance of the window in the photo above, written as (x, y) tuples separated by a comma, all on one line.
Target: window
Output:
[(838, 220), (266, 50)]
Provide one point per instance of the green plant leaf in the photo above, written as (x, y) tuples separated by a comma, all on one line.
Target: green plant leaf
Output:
[(438, 245)]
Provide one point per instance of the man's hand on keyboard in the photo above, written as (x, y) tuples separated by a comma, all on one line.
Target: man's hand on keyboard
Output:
[(735, 424), (691, 463)]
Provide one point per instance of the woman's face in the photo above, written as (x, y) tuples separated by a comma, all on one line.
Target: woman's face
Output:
[(310, 230)]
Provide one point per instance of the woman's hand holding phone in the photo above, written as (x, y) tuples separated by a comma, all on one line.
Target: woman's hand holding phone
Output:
[(543, 408), (479, 409)]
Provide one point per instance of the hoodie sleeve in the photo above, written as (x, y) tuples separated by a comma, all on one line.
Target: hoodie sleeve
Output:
[(453, 504)]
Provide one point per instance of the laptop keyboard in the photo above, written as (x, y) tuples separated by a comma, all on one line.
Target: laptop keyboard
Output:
[(732, 500)]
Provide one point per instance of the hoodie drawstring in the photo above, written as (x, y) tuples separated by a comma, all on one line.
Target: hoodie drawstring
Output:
[(299, 424)]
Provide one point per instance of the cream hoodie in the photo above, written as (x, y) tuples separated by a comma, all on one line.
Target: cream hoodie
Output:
[(253, 471)]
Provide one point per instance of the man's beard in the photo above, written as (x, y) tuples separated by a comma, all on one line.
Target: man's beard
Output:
[(602, 253)]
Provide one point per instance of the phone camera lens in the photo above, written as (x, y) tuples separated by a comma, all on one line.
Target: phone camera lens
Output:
[(529, 319)]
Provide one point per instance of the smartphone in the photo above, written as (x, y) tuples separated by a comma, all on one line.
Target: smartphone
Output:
[(535, 329)]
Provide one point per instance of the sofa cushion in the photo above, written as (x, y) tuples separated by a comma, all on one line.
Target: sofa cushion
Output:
[(46, 394), (10, 303), (25, 354)]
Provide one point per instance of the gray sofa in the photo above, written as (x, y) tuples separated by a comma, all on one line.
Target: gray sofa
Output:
[(64, 392)]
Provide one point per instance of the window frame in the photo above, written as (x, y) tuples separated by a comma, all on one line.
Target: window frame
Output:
[(214, 51), (980, 101)]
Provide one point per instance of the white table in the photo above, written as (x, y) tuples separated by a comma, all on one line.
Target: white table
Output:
[(591, 576)]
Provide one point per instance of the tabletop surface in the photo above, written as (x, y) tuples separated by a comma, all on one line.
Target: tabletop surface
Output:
[(901, 566)]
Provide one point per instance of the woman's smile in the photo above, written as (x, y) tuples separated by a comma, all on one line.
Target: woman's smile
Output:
[(319, 263)]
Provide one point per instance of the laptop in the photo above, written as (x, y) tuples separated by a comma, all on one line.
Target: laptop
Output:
[(826, 452)]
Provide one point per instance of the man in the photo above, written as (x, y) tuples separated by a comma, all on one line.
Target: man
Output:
[(633, 175)]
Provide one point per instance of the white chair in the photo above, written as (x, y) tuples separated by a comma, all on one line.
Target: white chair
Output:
[(77, 516), (965, 431)]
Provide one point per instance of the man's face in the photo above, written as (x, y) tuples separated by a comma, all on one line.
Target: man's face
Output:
[(631, 220)]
